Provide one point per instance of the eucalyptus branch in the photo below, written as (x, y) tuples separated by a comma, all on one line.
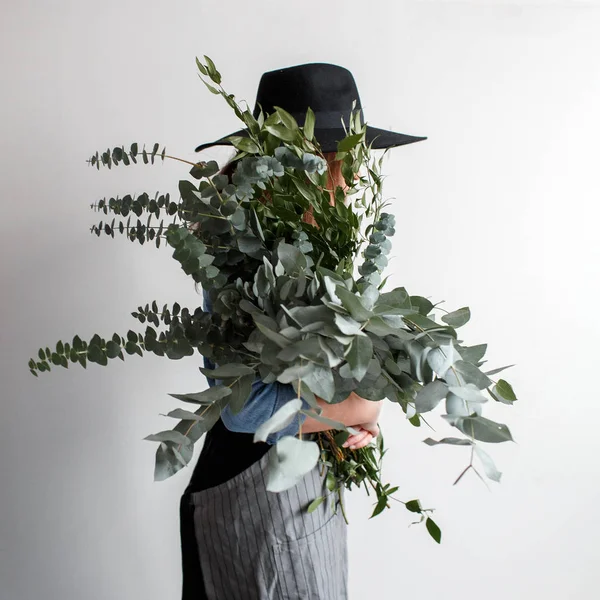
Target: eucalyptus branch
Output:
[(286, 306)]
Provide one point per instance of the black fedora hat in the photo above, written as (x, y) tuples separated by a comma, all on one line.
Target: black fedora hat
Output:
[(329, 90)]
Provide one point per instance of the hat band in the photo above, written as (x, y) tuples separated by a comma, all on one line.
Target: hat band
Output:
[(327, 119)]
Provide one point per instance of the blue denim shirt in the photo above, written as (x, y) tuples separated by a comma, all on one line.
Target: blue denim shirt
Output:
[(265, 399)]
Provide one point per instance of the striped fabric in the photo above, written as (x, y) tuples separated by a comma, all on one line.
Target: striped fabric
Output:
[(258, 545)]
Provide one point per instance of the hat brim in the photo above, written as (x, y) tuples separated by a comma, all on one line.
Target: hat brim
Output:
[(329, 138)]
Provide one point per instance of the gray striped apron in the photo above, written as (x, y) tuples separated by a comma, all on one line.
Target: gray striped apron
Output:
[(259, 545)]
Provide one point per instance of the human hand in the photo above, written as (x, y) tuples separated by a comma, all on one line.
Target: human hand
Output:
[(366, 433)]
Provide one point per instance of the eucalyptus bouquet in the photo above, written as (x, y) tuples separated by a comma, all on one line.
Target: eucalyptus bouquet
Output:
[(287, 305)]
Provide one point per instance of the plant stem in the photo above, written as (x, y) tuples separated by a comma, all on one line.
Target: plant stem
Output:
[(342, 505), (184, 161)]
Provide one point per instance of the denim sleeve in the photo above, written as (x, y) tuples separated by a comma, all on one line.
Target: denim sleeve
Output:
[(264, 401)]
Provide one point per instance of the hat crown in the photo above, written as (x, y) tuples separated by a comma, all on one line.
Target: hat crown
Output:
[(329, 90), (325, 87)]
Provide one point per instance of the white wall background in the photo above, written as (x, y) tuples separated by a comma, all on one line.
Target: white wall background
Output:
[(497, 210)]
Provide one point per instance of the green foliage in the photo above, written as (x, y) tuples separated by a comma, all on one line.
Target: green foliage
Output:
[(139, 231), (287, 306), (112, 158)]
